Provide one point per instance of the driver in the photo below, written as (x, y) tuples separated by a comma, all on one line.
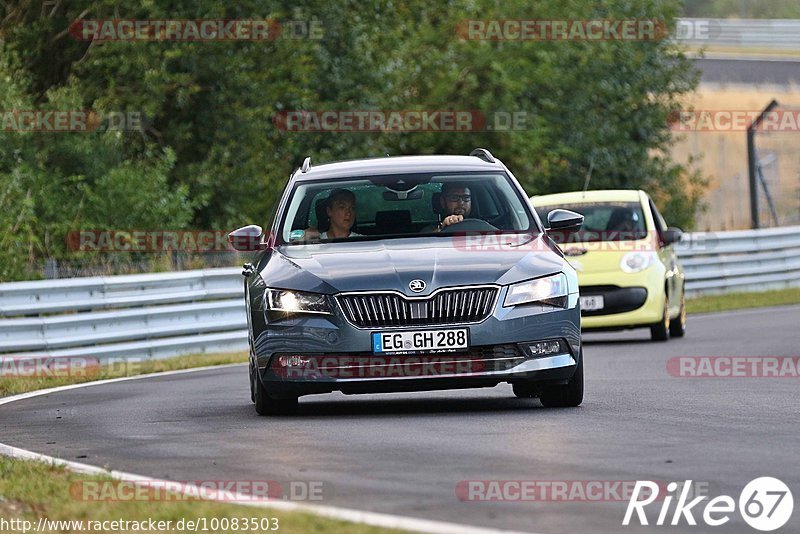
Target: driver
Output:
[(623, 220), (456, 202)]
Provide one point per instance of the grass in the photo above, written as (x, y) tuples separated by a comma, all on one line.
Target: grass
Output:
[(736, 301), (33, 490), (11, 385)]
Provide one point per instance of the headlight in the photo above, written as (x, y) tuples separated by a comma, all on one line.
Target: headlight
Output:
[(281, 300), (551, 290), (633, 262)]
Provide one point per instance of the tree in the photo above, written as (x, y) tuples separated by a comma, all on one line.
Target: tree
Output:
[(210, 154)]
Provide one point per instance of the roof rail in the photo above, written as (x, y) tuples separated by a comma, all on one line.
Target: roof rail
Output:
[(306, 165), (483, 154)]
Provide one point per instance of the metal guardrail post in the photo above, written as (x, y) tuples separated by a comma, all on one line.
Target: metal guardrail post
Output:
[(752, 164)]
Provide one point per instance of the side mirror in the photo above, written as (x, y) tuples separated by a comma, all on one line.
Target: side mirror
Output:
[(564, 221), (671, 235), (247, 239)]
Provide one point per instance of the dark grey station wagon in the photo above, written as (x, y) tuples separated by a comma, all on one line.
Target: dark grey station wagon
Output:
[(407, 274)]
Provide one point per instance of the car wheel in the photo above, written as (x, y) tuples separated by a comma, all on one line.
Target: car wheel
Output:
[(660, 330), (524, 390), (677, 327), (268, 405), (252, 382), (566, 395)]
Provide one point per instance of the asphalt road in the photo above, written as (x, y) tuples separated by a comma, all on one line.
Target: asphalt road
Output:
[(749, 71), (405, 453)]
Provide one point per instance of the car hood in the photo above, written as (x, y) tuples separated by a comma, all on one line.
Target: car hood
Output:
[(390, 264)]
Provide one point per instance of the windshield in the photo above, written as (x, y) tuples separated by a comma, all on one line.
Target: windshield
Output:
[(402, 206), (605, 221)]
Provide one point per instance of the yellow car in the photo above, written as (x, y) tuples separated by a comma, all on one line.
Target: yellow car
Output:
[(628, 272)]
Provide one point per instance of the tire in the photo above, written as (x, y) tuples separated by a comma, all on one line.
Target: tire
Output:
[(677, 327), (660, 330), (567, 395), (268, 405), (524, 390), (252, 382)]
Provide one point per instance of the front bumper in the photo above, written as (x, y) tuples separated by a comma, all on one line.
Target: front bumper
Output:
[(632, 299), (336, 356)]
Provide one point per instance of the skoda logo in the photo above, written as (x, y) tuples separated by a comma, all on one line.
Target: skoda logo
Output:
[(416, 286)]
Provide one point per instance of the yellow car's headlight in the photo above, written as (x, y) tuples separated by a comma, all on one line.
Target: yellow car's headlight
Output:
[(550, 290), (634, 262)]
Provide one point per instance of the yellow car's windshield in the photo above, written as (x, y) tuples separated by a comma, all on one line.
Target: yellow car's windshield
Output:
[(605, 221)]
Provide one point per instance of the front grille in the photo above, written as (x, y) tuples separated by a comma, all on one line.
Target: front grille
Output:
[(449, 306)]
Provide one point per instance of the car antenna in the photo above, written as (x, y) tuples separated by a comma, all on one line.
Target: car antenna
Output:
[(588, 176), (387, 154)]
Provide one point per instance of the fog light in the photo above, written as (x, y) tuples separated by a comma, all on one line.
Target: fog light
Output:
[(545, 348), (292, 361)]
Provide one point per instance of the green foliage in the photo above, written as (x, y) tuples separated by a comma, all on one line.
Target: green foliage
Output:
[(210, 156)]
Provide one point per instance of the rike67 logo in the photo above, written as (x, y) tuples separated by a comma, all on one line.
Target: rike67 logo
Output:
[(765, 504)]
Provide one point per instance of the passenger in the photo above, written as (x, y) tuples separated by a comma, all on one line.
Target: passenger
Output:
[(341, 210)]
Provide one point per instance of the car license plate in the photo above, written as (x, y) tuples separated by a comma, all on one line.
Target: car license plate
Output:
[(591, 303), (421, 340)]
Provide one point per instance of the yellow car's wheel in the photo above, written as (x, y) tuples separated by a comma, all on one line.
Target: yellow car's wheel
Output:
[(677, 327), (660, 330)]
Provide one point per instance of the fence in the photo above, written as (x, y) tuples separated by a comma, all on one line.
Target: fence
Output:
[(162, 315), (773, 34), (151, 315), (744, 260)]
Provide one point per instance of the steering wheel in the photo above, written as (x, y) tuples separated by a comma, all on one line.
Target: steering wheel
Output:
[(469, 225)]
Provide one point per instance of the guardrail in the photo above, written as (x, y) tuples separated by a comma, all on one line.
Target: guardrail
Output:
[(774, 34), (167, 314), (745, 260), (148, 316)]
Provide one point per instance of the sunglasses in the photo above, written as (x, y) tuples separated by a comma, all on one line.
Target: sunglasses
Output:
[(456, 198)]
